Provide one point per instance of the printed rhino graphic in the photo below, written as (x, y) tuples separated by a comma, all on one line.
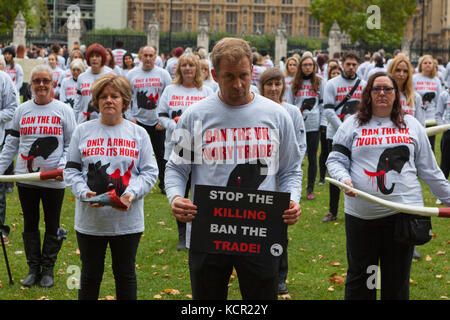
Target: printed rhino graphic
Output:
[(427, 97), (41, 147), (391, 159), (349, 107), (147, 102), (247, 175), (175, 114), (101, 182), (70, 101)]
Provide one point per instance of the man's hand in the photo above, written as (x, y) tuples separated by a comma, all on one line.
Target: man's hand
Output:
[(183, 209), (349, 192), (159, 127), (291, 215)]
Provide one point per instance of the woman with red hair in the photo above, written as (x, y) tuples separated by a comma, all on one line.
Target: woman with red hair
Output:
[(96, 59)]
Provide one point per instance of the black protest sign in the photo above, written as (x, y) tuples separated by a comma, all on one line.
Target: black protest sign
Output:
[(239, 221)]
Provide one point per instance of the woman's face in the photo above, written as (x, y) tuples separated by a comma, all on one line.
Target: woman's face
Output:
[(110, 103), (427, 65), (273, 89), (335, 73), (383, 97), (187, 69), (95, 60), (8, 56), (52, 61), (75, 73), (401, 73), (128, 61), (307, 66), (205, 72), (42, 87), (292, 66)]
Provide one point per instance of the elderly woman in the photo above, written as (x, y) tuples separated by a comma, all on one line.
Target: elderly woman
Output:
[(272, 86), (96, 60), (40, 135), (306, 92), (68, 89), (383, 152), (186, 89), (105, 154)]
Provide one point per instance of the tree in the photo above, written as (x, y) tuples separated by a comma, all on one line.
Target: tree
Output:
[(41, 15), (352, 17), (9, 11)]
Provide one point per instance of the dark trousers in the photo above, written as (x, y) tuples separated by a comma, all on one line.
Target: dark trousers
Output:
[(30, 199), (312, 145), (123, 254), (210, 274), (370, 242), (432, 140), (445, 153), (323, 152), (2, 203), (157, 138), (335, 192)]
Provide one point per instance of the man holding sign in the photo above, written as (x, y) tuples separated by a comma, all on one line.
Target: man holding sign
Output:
[(238, 147)]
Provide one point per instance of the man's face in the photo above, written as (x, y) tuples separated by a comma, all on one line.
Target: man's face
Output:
[(148, 58), (350, 65), (234, 80)]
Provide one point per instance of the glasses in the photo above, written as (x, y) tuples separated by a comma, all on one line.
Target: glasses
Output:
[(377, 90), (307, 65), (38, 81)]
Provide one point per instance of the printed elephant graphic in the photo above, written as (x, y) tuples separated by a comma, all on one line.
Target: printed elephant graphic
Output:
[(100, 181), (41, 147), (349, 107), (70, 101), (427, 99), (147, 102), (247, 175), (391, 159), (175, 114), (91, 109), (307, 104)]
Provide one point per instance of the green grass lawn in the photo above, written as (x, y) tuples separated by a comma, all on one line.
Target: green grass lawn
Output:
[(317, 256)]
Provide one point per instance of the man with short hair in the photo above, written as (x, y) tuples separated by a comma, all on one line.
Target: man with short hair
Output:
[(233, 109), (118, 53), (341, 97), (148, 83)]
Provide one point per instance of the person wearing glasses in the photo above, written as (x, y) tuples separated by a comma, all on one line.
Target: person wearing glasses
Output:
[(39, 137), (366, 149)]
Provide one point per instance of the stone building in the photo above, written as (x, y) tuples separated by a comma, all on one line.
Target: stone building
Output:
[(232, 16)]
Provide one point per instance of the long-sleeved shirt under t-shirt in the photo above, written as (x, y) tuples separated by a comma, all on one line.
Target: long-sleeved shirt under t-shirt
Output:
[(386, 161), (147, 88), (429, 89), (247, 146), (83, 108), (174, 101), (40, 137), (443, 108), (417, 112), (102, 158), (309, 103), (16, 74), (336, 90)]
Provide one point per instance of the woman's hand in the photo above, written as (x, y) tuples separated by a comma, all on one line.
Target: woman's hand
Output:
[(349, 192), (183, 209), (126, 199), (91, 194), (291, 215)]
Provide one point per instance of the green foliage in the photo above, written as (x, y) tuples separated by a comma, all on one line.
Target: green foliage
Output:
[(9, 11), (121, 32), (352, 17)]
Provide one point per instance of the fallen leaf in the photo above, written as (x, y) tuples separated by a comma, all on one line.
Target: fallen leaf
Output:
[(428, 258), (439, 276), (331, 288), (77, 252), (161, 223), (339, 281), (286, 296), (444, 297), (440, 253), (109, 298), (172, 292), (42, 298), (157, 296), (161, 251), (335, 264)]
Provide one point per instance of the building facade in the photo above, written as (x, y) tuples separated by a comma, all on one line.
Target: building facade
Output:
[(59, 14), (433, 17), (232, 16)]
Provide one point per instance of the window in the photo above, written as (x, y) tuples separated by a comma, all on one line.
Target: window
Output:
[(286, 18), (260, 1), (203, 15), (258, 22), (234, 1), (231, 23), (313, 27), (286, 2), (147, 16), (177, 20)]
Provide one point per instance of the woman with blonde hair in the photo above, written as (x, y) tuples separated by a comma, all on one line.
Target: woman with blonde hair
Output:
[(186, 89), (290, 70), (402, 72), (206, 76), (427, 84)]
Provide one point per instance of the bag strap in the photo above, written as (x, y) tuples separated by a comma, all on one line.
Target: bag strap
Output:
[(348, 96)]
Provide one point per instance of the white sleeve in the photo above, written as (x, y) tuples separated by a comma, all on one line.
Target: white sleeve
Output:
[(329, 104), (19, 77), (8, 99), (440, 108), (339, 159), (163, 112), (69, 125)]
